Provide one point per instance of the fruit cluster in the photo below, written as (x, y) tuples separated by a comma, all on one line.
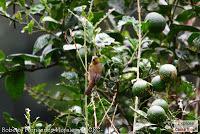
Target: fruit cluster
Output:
[(157, 112)]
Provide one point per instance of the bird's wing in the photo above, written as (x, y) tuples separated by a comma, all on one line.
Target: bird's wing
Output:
[(94, 74)]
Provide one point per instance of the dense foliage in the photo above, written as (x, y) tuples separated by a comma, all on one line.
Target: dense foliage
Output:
[(72, 31)]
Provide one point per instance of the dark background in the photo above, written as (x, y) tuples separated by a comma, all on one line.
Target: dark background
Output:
[(13, 41)]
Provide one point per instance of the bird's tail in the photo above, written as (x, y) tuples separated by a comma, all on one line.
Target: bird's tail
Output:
[(89, 88)]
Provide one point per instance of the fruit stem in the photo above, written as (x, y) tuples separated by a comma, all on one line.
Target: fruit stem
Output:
[(167, 91)]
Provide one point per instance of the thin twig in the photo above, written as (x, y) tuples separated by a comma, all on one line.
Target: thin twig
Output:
[(77, 50), (197, 96), (113, 117), (113, 100), (86, 80), (107, 114), (191, 102), (138, 61), (139, 40), (135, 115), (86, 74), (94, 109), (104, 17), (174, 9), (91, 4), (12, 19), (36, 21)]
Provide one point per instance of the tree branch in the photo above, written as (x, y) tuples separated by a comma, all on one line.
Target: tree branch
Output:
[(32, 69), (10, 18), (40, 67)]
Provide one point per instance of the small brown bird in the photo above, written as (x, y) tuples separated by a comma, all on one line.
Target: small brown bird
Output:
[(94, 74)]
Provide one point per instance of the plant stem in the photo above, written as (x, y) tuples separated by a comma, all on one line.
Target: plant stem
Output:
[(86, 76), (135, 114), (139, 40), (86, 73), (104, 17), (167, 91), (113, 117), (94, 108), (174, 9), (91, 4), (106, 113), (138, 61), (109, 119), (197, 96), (75, 44)]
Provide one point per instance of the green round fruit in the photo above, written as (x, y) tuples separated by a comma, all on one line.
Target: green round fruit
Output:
[(156, 114), (140, 88), (168, 72), (158, 84), (156, 22), (160, 102)]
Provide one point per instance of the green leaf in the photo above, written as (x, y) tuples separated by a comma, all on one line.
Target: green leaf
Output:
[(185, 15), (29, 27), (40, 87), (140, 112), (26, 57), (41, 42), (69, 75), (127, 20), (50, 19), (103, 39), (194, 42), (59, 97), (195, 0), (72, 47), (14, 84), (89, 30), (145, 26), (35, 9), (2, 69), (22, 2), (18, 16), (49, 54), (3, 4), (175, 29), (95, 16), (90, 16), (185, 87), (11, 121), (80, 9), (116, 35), (2, 55), (71, 89), (140, 126)]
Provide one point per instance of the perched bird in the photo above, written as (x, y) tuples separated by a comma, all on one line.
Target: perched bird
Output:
[(94, 74)]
